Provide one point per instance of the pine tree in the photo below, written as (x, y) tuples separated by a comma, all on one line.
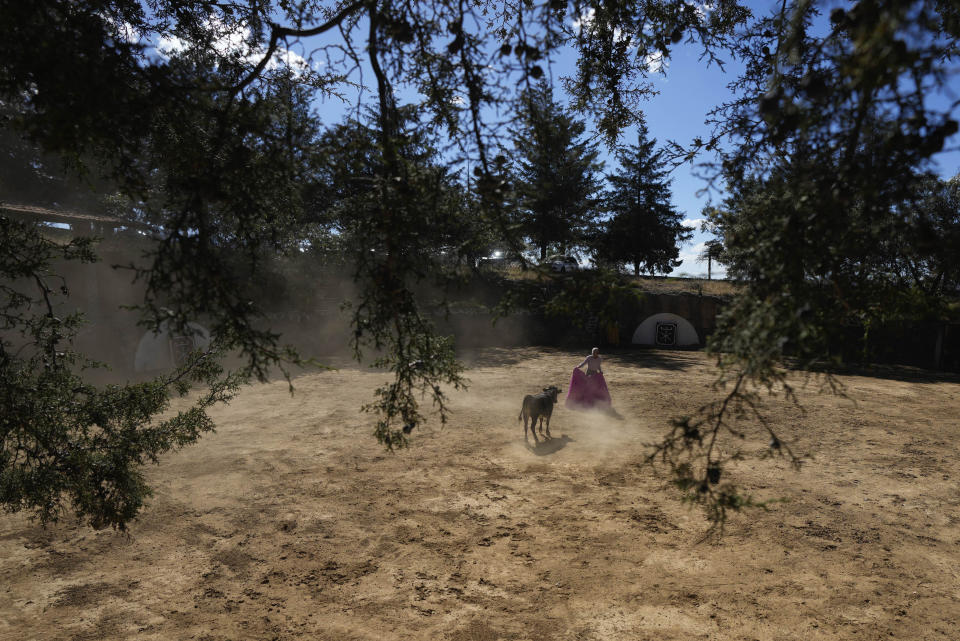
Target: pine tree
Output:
[(644, 229), (712, 253), (557, 175)]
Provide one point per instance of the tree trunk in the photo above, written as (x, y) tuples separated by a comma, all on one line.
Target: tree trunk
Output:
[(709, 264)]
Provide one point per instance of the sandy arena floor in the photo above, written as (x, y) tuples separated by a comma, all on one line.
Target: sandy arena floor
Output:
[(292, 523)]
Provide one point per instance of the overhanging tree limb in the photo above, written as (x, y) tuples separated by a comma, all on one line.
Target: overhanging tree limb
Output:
[(278, 32)]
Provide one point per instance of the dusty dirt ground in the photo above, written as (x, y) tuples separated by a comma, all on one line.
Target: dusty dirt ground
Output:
[(291, 523)]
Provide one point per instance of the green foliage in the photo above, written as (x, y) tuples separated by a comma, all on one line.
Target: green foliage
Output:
[(438, 223), (713, 250), (711, 253), (826, 219), (597, 293), (432, 363), (614, 49), (644, 230), (66, 444), (29, 176), (395, 208), (923, 254), (556, 171)]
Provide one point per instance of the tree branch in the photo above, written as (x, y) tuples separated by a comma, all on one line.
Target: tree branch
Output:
[(277, 32)]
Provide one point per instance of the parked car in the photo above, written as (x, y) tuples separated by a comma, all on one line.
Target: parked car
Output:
[(564, 264), (496, 260)]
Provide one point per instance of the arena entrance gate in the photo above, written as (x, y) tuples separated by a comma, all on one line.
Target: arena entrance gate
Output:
[(666, 330)]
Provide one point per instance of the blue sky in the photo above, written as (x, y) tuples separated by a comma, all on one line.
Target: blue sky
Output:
[(688, 91)]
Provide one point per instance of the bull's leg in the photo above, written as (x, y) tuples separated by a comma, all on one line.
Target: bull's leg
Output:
[(548, 426), (533, 427), (525, 439)]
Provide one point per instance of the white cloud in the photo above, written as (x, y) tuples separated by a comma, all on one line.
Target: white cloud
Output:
[(169, 46), (585, 22), (232, 42), (654, 61), (689, 254), (128, 32), (232, 38), (690, 264), (585, 19), (693, 223), (701, 9), (124, 30), (284, 57)]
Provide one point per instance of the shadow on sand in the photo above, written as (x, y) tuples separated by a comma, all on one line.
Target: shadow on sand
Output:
[(904, 373), (550, 445), (668, 359)]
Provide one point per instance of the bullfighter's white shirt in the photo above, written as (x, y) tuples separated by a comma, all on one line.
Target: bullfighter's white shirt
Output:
[(593, 364)]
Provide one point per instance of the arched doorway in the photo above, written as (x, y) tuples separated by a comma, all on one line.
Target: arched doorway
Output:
[(165, 350), (666, 330)]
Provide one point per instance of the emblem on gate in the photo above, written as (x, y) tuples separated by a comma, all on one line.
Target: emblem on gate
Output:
[(666, 333)]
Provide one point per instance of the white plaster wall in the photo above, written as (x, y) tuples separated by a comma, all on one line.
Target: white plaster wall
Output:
[(646, 332)]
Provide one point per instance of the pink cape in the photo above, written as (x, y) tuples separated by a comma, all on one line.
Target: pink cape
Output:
[(587, 391)]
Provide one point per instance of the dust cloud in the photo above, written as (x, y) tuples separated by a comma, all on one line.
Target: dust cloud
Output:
[(302, 299)]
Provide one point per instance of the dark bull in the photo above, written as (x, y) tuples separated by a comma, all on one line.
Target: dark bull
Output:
[(538, 406)]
